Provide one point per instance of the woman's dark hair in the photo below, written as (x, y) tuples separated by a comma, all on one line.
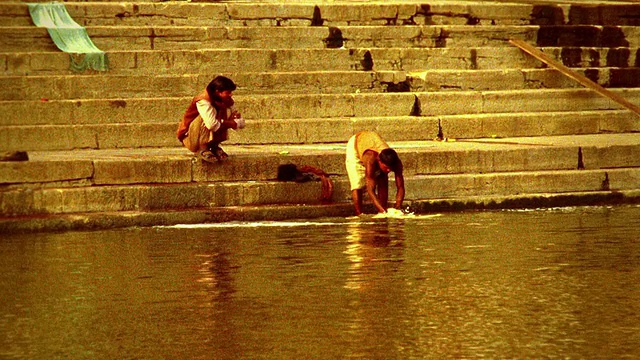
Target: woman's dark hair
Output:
[(390, 158), (220, 83)]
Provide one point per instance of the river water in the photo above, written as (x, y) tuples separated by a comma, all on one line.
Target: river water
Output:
[(555, 283)]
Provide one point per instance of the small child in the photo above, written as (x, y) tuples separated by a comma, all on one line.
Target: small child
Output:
[(209, 116)]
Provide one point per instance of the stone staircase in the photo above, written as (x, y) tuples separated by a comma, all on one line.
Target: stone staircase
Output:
[(516, 133)]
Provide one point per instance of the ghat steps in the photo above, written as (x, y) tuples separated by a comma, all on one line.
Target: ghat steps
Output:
[(103, 152)]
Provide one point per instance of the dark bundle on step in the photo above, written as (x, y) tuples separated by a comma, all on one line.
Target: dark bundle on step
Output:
[(304, 173), (15, 156)]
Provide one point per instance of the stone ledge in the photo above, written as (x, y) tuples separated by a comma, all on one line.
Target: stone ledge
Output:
[(283, 132), (34, 39), (216, 61), (87, 87), (111, 220), (155, 197), (259, 162), (313, 106)]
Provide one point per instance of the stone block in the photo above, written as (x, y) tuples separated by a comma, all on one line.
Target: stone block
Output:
[(623, 179), (280, 37), (460, 126), (500, 13), (15, 14), (562, 123), (296, 106), (236, 169), (619, 121), (279, 12), (451, 103), (143, 170), (546, 78), (506, 125), (18, 202), (609, 156), (390, 104), (43, 137), (48, 201), (400, 128), (112, 111), (100, 13), (136, 135), (485, 36), (183, 12), (311, 60), (544, 100), (358, 14), (230, 194), (97, 199), (182, 196), (324, 130), (34, 171)]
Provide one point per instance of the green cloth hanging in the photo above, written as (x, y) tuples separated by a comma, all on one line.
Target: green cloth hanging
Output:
[(68, 36)]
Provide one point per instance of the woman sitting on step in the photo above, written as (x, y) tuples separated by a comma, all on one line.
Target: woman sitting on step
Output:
[(208, 118)]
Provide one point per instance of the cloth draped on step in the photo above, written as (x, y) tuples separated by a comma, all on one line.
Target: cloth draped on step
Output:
[(68, 36)]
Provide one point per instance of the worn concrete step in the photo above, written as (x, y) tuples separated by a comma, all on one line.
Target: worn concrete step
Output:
[(287, 60), (107, 86), (251, 213), (334, 13), (135, 181), (82, 86), (82, 168), (304, 106), (449, 80), (218, 196), (322, 130), (107, 38)]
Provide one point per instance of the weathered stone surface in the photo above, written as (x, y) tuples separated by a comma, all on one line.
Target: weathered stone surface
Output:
[(142, 171), (329, 129), (304, 91), (167, 62), (113, 198), (34, 171)]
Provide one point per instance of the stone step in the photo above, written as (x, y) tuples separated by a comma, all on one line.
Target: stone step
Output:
[(258, 162), (200, 216), (126, 180), (108, 38), (305, 106), (322, 130), (166, 62), (334, 14), (78, 87), (221, 197), (486, 80), (60, 87)]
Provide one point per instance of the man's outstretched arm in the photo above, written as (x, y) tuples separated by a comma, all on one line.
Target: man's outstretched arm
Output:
[(399, 187)]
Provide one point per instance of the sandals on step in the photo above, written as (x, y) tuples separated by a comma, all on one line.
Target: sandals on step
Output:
[(208, 156), (219, 153)]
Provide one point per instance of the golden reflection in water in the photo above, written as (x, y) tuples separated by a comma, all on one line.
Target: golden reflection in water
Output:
[(363, 243), (215, 274)]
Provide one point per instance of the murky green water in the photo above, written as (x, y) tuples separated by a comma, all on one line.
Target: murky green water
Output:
[(561, 283)]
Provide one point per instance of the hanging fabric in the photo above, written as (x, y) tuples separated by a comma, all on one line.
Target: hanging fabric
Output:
[(68, 36)]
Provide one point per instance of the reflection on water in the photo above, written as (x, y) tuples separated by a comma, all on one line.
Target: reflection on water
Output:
[(561, 283)]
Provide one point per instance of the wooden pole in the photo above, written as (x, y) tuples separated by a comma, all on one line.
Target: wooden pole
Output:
[(574, 75)]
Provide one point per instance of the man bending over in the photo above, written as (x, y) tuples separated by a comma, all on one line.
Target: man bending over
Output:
[(369, 161)]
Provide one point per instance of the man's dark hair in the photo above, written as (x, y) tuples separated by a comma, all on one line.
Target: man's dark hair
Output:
[(390, 158), (220, 83)]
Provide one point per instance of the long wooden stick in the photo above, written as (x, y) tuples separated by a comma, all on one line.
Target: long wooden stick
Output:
[(574, 75)]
